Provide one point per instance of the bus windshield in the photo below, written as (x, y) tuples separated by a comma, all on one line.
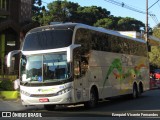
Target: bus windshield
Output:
[(49, 39), (45, 68)]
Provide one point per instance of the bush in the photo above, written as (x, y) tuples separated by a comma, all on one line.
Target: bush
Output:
[(6, 85)]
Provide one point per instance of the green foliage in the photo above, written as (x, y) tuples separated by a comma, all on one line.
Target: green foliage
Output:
[(156, 32), (62, 11), (154, 55), (37, 10), (107, 23), (6, 85), (45, 18), (66, 11), (90, 15), (129, 24)]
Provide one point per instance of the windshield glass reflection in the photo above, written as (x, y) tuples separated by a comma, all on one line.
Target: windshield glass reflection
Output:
[(45, 68)]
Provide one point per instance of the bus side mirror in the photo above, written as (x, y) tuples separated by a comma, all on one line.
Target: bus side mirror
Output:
[(10, 55), (149, 48), (70, 52)]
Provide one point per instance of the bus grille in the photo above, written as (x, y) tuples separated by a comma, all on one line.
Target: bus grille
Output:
[(43, 95)]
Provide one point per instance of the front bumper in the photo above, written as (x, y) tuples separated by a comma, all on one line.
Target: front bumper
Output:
[(66, 98)]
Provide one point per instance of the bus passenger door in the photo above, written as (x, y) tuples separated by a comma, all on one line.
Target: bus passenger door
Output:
[(78, 81)]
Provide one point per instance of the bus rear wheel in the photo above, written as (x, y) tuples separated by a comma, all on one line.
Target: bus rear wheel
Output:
[(50, 107), (93, 100), (135, 93)]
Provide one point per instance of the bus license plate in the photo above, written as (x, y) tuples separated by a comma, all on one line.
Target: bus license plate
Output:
[(43, 100)]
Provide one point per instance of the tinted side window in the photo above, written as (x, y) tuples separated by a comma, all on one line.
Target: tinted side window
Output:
[(83, 37), (127, 46), (100, 41), (95, 40)]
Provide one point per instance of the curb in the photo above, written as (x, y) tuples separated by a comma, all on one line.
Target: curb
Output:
[(10, 100)]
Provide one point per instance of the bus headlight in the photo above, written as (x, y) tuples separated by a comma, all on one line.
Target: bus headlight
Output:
[(64, 91), (25, 93)]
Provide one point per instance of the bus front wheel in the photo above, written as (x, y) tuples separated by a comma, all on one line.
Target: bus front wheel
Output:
[(93, 100)]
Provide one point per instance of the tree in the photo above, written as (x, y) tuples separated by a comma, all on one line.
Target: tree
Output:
[(62, 11), (36, 9), (156, 31), (45, 18), (154, 55), (129, 24), (107, 23), (90, 15)]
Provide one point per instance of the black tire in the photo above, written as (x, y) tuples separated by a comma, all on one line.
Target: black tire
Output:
[(50, 107), (93, 100), (135, 93), (140, 89)]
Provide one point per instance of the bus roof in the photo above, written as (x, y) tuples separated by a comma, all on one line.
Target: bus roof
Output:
[(73, 26), (54, 27)]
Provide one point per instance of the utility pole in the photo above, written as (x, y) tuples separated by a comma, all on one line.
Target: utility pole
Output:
[(147, 22)]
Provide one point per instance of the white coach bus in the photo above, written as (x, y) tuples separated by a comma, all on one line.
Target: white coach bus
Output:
[(73, 63)]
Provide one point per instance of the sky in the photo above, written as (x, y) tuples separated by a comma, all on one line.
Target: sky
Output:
[(123, 12)]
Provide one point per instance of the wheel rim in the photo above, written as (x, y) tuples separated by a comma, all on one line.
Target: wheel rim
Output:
[(135, 93), (93, 99)]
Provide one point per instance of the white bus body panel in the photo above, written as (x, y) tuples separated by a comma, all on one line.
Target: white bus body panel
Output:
[(41, 91), (113, 74), (132, 68)]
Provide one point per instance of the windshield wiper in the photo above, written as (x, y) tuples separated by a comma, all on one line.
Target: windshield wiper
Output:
[(25, 83), (28, 82)]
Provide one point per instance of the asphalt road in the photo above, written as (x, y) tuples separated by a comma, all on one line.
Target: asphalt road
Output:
[(147, 106)]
